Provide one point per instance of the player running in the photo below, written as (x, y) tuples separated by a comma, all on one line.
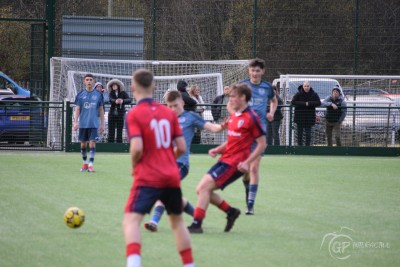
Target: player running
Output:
[(189, 121), (153, 129), (243, 128)]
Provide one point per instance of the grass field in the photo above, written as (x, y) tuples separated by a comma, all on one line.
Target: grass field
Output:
[(310, 211)]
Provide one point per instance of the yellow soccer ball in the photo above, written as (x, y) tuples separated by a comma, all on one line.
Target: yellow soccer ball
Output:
[(74, 217)]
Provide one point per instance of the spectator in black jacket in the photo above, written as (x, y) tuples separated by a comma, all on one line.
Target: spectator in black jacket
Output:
[(220, 113), (190, 103), (305, 102), (221, 100), (273, 126), (118, 99)]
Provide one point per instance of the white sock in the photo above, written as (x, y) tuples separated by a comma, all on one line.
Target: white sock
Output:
[(189, 265), (133, 261)]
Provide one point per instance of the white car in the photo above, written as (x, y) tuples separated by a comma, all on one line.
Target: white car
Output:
[(322, 86)]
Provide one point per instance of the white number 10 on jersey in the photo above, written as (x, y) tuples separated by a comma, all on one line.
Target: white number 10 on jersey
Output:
[(162, 132)]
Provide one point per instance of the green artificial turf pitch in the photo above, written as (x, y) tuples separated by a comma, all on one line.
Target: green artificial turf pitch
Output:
[(310, 211)]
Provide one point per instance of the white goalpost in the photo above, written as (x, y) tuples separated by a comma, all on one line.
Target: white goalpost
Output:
[(231, 71)]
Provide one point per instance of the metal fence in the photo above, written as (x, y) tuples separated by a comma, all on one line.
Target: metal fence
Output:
[(363, 127), (372, 126), (47, 126)]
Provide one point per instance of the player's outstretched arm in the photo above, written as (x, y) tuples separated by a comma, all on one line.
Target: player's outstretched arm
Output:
[(180, 146), (213, 127), (136, 150)]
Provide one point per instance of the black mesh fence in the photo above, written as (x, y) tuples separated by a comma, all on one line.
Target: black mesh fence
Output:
[(308, 37), (301, 36)]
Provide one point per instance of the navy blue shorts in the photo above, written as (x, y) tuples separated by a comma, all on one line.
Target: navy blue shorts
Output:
[(142, 199), (224, 174), (183, 170), (88, 134)]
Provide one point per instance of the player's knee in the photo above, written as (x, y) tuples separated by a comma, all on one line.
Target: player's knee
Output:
[(199, 189), (254, 170), (204, 187)]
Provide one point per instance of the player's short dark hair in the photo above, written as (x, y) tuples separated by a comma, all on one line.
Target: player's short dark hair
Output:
[(242, 89), (143, 77), (172, 96), (88, 75), (257, 62)]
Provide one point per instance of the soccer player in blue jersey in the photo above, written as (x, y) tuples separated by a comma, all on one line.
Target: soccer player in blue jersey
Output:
[(262, 96), (89, 106), (189, 121)]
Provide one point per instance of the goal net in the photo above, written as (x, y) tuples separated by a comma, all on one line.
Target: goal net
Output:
[(211, 84), (66, 78), (231, 71)]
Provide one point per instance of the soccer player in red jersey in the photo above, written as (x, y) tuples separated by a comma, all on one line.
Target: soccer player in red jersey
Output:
[(153, 129), (243, 128)]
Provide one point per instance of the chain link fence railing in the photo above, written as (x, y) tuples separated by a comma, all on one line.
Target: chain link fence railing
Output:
[(362, 127)]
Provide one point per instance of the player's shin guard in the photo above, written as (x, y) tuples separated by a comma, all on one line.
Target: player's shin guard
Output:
[(158, 212), (198, 217), (133, 258), (252, 196), (92, 154), (188, 209), (187, 257), (84, 155), (224, 206)]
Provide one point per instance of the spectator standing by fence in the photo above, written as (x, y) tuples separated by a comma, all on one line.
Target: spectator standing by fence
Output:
[(335, 114), (118, 99), (194, 93), (99, 86), (190, 103), (305, 102), (220, 112)]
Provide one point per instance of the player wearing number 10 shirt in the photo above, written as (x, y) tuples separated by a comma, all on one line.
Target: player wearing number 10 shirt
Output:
[(157, 125), (155, 141)]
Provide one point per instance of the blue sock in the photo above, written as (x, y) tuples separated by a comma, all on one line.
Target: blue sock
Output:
[(189, 209), (84, 154), (252, 195), (92, 154), (157, 213)]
